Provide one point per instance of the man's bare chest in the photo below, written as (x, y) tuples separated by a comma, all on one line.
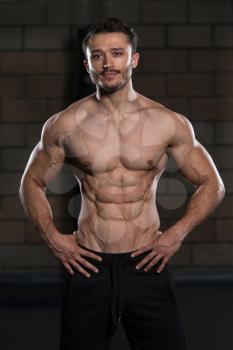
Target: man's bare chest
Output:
[(100, 145)]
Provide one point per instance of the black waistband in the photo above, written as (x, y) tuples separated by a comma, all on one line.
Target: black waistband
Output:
[(110, 257)]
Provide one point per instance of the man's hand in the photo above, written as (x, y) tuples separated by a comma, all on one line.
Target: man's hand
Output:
[(67, 250), (164, 246)]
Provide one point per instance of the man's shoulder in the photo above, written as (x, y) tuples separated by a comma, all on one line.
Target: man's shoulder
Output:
[(148, 103), (76, 110), (64, 121), (177, 127), (84, 104), (159, 111)]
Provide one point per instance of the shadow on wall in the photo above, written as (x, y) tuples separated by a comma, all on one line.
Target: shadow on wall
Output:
[(78, 84)]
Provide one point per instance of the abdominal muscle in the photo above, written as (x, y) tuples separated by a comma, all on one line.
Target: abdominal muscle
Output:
[(117, 227)]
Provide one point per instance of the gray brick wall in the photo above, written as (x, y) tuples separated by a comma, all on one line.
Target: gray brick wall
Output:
[(186, 64)]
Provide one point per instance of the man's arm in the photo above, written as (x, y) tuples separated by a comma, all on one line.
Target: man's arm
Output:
[(196, 164), (45, 162)]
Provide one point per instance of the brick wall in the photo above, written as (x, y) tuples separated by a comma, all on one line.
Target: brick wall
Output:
[(186, 63)]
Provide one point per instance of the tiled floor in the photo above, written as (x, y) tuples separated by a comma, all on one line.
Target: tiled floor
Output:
[(206, 310)]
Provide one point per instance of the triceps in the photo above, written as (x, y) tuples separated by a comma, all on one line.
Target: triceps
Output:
[(55, 162), (44, 164), (193, 163)]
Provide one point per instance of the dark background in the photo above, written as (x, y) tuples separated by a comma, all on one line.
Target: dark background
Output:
[(186, 63)]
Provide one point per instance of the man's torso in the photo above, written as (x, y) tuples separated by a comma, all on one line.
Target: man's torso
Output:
[(117, 159)]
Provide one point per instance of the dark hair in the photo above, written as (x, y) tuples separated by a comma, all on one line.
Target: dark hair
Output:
[(111, 25)]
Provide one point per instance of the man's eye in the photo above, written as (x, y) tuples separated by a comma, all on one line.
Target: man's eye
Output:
[(95, 56), (117, 53)]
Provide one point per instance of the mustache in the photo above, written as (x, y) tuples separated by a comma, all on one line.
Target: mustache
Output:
[(109, 71)]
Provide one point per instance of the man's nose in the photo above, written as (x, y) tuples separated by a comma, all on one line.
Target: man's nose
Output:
[(107, 63)]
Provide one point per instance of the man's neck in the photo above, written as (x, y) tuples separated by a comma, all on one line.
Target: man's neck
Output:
[(117, 100)]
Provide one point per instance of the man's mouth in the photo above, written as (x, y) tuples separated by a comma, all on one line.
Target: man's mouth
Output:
[(109, 73)]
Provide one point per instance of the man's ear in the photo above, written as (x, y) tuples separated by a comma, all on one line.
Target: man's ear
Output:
[(135, 59), (86, 65)]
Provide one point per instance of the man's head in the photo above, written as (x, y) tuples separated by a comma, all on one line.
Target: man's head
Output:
[(110, 46)]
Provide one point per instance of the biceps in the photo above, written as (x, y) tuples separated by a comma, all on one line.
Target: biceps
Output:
[(44, 165), (195, 163)]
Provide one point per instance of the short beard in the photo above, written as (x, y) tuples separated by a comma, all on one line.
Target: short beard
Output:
[(112, 88)]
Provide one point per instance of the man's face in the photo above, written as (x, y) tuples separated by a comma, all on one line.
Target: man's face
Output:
[(109, 60)]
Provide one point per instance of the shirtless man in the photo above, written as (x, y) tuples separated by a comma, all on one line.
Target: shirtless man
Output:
[(118, 143)]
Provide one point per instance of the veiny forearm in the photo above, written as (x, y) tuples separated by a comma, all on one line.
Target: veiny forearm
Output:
[(202, 203), (37, 208)]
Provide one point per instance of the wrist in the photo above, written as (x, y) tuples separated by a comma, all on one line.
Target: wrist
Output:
[(176, 233), (50, 234)]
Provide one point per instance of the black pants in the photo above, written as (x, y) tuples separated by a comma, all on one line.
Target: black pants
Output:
[(145, 303)]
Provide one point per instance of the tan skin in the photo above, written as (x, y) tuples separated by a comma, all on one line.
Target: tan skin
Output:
[(118, 143)]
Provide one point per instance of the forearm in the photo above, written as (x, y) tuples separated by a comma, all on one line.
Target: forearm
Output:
[(202, 203), (37, 208)]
